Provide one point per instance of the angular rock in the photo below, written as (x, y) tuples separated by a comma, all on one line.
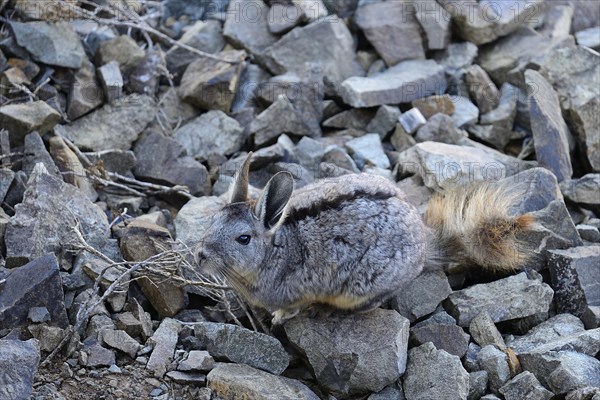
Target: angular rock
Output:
[(94, 355), (550, 132), (458, 55), (392, 392), (212, 84), (356, 118), (241, 345), (429, 106), (401, 140), (384, 121), (85, 93), (392, 28), (589, 233), (162, 159), (431, 17), (43, 221), (412, 120), (294, 50), (122, 49), (434, 374), (129, 323), (283, 17), (422, 296), (164, 341), (246, 26), (583, 191), (23, 118), (211, 133), (69, 164), (114, 126), (197, 361), (402, 83), (495, 363), (195, 217), (575, 278), (471, 362), (497, 124), (558, 18), (18, 365), (478, 382), (465, 112), (188, 378), (50, 43), (353, 354), (119, 161), (440, 128), (514, 297), (525, 386), (448, 337), (589, 38), (232, 381), (121, 341), (36, 152), (482, 89), (49, 337), (38, 314), (367, 151), (205, 36), (112, 80), (484, 331)]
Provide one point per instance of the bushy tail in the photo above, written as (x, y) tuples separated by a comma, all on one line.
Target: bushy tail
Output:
[(473, 224)]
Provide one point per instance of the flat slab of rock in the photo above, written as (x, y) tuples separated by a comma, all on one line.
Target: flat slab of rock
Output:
[(368, 151), (114, 126), (18, 365), (448, 337), (50, 43), (164, 341), (422, 296), (240, 345), (514, 297), (238, 381), (525, 386), (550, 132), (583, 190), (23, 118), (85, 93), (43, 222), (434, 374), (294, 50), (353, 354), (402, 83)]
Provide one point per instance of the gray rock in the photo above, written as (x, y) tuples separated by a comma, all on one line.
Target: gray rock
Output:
[(49, 337), (121, 341), (197, 361), (471, 362), (195, 217), (212, 84), (440, 128), (482, 23), (38, 314), (112, 81), (498, 123), (575, 74), (36, 152), (368, 151), (490, 397), (385, 120), (589, 233), (241, 345), (563, 371), (448, 337), (583, 191), (458, 55), (119, 161), (50, 43), (442, 165), (412, 120), (94, 355), (514, 297), (478, 381), (484, 331), (18, 365), (212, 133), (122, 49), (23, 118), (392, 392), (114, 126), (97, 324), (402, 83), (401, 140), (243, 381), (294, 50), (356, 118), (353, 354), (43, 221), (7, 177), (495, 362), (422, 296), (550, 132), (188, 378), (429, 106), (393, 30), (482, 89), (163, 159), (589, 38), (434, 374), (85, 93), (587, 393), (431, 17), (164, 341), (525, 386), (575, 278), (283, 17), (339, 157), (465, 112), (557, 19), (205, 36), (247, 27)]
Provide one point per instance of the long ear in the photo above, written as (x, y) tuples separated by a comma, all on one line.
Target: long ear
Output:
[(239, 190), (271, 205)]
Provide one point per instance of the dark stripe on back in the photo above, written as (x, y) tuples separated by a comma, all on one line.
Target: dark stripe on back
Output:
[(314, 209)]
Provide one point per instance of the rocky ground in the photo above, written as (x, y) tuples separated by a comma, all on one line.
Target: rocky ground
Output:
[(123, 122)]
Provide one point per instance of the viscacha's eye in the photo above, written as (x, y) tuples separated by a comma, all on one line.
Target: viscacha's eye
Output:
[(243, 239)]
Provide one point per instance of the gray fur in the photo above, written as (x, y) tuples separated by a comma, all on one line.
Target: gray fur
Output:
[(351, 238)]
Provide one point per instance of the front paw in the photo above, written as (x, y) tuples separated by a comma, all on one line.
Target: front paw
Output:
[(282, 315)]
